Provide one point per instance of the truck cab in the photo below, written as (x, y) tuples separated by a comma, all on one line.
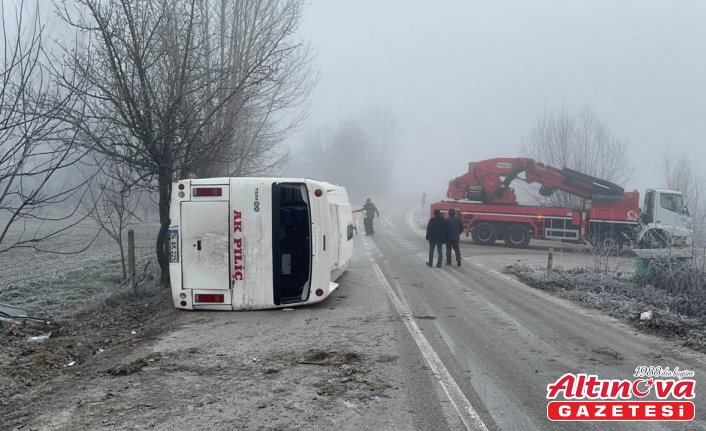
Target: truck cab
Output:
[(665, 220)]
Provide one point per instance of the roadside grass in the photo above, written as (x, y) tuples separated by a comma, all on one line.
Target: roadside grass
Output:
[(61, 293), (678, 312), (51, 284), (683, 280)]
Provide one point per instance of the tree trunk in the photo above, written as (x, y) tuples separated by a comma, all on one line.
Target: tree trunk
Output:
[(165, 186)]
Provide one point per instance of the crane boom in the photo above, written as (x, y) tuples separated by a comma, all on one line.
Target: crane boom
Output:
[(488, 181)]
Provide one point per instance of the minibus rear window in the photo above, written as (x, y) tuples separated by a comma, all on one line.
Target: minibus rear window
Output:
[(291, 242)]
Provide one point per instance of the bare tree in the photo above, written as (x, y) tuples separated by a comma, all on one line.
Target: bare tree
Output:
[(179, 88), (680, 173), (114, 198), (35, 146), (311, 157), (381, 127), (336, 154), (358, 153), (252, 38), (579, 141)]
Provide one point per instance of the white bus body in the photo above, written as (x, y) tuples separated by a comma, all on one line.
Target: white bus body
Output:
[(255, 243)]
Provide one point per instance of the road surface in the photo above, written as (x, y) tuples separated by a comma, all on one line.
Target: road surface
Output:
[(409, 348), (502, 341)]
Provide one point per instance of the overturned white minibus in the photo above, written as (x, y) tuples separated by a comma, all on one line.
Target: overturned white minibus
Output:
[(254, 243)]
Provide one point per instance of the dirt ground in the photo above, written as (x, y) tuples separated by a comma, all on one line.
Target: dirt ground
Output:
[(136, 363), (121, 321)]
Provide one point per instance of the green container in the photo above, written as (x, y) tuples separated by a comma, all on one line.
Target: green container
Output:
[(641, 266), (651, 266)]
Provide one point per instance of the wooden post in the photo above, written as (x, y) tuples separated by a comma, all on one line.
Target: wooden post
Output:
[(550, 261), (132, 280)]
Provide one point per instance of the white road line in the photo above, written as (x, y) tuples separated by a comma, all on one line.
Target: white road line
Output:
[(465, 410)]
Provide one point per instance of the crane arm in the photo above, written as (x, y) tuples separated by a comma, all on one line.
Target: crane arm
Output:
[(489, 181)]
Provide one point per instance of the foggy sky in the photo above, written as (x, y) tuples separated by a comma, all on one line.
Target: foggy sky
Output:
[(467, 80)]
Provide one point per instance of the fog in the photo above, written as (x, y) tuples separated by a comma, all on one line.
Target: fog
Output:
[(467, 80)]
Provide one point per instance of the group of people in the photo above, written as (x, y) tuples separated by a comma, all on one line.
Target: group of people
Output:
[(444, 231), (440, 231)]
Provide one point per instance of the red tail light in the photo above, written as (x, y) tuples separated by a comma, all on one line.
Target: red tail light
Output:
[(209, 298), (318, 193), (208, 191), (319, 292)]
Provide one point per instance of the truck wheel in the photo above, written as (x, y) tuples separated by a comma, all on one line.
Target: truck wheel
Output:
[(517, 236), (484, 234)]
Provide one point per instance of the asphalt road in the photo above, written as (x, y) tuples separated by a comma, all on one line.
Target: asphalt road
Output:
[(503, 342), (433, 349)]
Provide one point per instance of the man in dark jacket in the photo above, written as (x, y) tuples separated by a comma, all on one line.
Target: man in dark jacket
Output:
[(436, 235), (454, 227)]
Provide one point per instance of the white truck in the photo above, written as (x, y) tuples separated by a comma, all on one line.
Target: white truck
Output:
[(256, 243), (664, 220)]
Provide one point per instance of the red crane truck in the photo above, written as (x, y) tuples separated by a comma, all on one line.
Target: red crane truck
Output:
[(490, 211)]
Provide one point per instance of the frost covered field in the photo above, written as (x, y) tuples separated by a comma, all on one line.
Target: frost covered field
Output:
[(48, 283), (673, 294)]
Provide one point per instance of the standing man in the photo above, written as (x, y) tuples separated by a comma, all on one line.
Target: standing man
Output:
[(454, 227), (369, 211), (436, 235)]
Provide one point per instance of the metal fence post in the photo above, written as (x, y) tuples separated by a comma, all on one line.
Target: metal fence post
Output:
[(550, 261), (132, 280)]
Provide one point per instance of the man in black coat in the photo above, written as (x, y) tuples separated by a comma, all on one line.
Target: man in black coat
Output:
[(454, 227), (436, 235)]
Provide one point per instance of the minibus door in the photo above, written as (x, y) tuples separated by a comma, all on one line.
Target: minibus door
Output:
[(205, 245)]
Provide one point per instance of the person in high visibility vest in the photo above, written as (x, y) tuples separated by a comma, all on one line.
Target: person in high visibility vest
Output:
[(369, 211)]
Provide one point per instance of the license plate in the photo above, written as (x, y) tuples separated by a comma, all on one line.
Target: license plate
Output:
[(173, 245)]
